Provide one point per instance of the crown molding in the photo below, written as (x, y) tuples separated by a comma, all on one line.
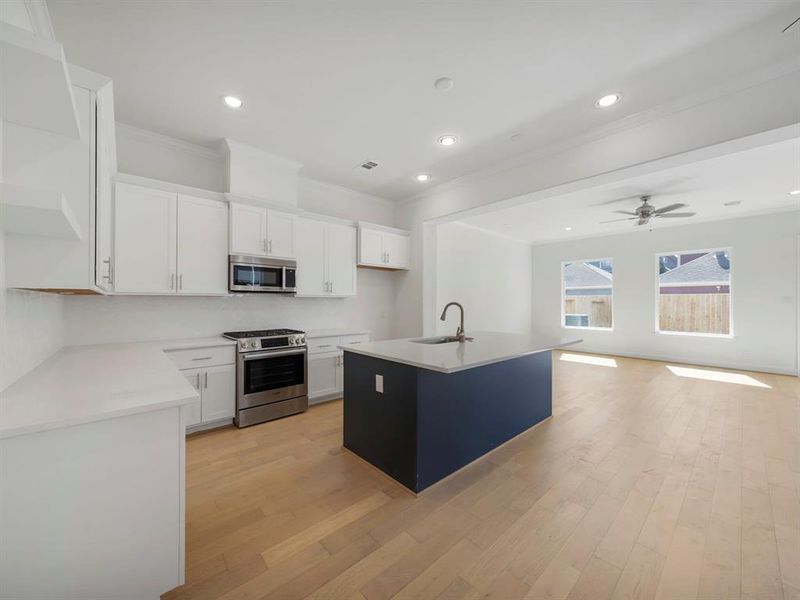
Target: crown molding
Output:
[(345, 190), (151, 137)]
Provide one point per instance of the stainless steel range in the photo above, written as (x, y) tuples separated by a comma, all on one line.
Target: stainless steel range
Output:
[(271, 374)]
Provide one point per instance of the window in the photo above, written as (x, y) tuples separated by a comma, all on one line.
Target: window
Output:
[(694, 292), (587, 298)]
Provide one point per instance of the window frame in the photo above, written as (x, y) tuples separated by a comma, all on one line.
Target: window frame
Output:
[(657, 299), (563, 286)]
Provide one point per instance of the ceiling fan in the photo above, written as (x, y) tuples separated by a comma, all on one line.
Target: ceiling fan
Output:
[(647, 211)]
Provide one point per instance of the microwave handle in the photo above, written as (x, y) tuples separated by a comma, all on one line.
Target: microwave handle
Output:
[(271, 353)]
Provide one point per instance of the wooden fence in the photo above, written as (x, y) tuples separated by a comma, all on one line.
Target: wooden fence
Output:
[(695, 313), (597, 307)]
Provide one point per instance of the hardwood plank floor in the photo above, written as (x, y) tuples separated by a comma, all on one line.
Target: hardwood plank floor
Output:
[(644, 484)]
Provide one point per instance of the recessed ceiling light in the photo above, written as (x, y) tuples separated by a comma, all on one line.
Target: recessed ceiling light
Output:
[(732, 203), (567, 228), (443, 84), (794, 193), (423, 177), (608, 100), (447, 140), (232, 102)]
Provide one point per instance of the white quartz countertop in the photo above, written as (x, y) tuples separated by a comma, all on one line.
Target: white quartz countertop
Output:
[(84, 384), (487, 347)]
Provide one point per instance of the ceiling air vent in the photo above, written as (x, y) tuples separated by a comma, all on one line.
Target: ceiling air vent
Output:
[(368, 165)]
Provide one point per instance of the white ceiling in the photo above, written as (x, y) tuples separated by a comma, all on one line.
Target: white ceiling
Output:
[(760, 179), (330, 84)]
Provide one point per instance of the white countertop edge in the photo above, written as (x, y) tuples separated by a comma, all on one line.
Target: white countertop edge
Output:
[(322, 333), (430, 367), (94, 418)]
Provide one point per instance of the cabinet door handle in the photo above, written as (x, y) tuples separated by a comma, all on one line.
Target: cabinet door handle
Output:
[(205, 380), (198, 380), (180, 281), (331, 290), (172, 281), (203, 358), (269, 246), (265, 245)]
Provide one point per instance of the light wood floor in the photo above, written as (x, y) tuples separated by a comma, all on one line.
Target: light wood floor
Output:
[(644, 484)]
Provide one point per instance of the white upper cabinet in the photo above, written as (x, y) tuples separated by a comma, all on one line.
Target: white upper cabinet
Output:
[(383, 247), (258, 231), (202, 246), (326, 259), (75, 173), (370, 246), (144, 240), (165, 243), (398, 250), (280, 234), (311, 276), (248, 229), (341, 246)]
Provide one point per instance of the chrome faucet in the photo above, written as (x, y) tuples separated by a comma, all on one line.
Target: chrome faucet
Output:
[(460, 334)]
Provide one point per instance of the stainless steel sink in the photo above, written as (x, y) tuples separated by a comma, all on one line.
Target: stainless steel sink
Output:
[(442, 339)]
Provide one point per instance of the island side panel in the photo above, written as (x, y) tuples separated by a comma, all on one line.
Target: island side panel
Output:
[(381, 427), (463, 415)]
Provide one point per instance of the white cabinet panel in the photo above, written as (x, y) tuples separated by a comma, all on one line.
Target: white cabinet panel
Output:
[(341, 242), (106, 167), (202, 246), (371, 247), (144, 239), (280, 234), (397, 249), (248, 229), (323, 376), (311, 280), (193, 410), (219, 387)]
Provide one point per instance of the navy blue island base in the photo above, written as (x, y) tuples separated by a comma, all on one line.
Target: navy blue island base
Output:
[(427, 424)]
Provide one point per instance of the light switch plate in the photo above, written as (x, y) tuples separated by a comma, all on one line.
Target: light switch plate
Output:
[(379, 383)]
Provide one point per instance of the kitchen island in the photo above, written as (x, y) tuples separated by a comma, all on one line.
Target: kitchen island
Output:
[(419, 409)]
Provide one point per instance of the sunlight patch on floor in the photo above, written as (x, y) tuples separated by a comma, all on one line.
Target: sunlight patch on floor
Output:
[(721, 376), (588, 359)]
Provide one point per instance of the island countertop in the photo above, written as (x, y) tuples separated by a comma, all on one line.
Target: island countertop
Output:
[(486, 348)]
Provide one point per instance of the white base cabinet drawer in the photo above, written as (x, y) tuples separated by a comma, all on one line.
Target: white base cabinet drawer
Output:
[(203, 357)]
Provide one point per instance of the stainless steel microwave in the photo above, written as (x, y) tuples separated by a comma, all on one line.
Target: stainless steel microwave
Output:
[(257, 274)]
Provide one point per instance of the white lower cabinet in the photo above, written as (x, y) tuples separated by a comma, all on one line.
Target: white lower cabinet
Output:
[(323, 375), (326, 364), (194, 410), (215, 383)]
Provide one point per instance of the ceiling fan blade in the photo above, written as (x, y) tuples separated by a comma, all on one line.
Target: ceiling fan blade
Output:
[(677, 215), (627, 212), (617, 220), (637, 197), (669, 208)]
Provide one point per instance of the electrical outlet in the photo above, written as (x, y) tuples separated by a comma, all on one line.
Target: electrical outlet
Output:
[(379, 383)]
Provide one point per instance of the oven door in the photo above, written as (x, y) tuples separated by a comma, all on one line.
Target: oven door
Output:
[(271, 376), (255, 278)]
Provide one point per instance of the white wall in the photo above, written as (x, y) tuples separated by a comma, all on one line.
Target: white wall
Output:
[(488, 274), (30, 327), (97, 319), (764, 273)]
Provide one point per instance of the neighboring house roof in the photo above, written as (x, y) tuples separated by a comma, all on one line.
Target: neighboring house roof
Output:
[(581, 274), (713, 267)]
